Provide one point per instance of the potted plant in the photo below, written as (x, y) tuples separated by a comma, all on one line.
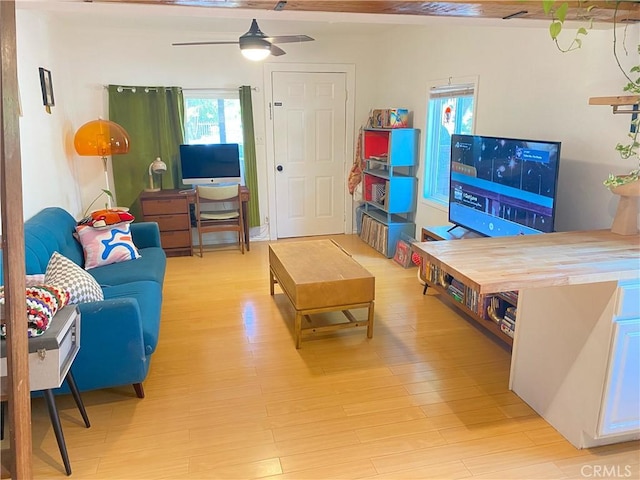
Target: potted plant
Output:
[(106, 205)]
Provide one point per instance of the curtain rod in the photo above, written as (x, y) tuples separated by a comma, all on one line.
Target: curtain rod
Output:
[(255, 89), (121, 88)]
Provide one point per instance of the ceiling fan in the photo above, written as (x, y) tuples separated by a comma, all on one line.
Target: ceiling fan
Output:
[(255, 45)]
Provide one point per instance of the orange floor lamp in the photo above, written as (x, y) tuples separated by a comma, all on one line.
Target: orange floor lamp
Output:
[(101, 138)]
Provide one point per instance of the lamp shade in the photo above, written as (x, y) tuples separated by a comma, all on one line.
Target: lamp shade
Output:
[(157, 166), (101, 138), (255, 49)]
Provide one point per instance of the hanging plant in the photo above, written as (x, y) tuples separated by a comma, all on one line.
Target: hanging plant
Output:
[(558, 13)]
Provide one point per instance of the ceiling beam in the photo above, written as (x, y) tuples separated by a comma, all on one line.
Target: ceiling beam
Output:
[(604, 11)]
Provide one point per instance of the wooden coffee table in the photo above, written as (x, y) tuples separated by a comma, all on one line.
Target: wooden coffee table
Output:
[(319, 276)]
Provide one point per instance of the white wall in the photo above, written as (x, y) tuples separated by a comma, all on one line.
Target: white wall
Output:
[(48, 173), (527, 89)]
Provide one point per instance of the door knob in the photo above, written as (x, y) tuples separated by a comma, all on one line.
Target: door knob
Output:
[(279, 168)]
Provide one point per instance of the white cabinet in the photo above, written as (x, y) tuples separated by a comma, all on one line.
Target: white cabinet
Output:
[(621, 403), (587, 382)]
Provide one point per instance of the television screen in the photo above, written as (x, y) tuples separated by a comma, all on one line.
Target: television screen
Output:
[(210, 163), (503, 186)]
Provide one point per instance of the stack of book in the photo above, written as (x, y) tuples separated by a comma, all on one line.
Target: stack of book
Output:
[(508, 323), (456, 290), (375, 234)]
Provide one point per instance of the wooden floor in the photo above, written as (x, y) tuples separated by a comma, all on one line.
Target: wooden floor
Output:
[(229, 397)]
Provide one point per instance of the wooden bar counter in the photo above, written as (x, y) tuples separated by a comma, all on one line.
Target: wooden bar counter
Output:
[(501, 264), (577, 338)]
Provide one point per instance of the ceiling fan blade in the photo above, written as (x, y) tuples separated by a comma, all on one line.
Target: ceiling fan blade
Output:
[(290, 39), (276, 51), (203, 43)]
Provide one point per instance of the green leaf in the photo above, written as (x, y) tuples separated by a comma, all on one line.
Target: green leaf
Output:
[(561, 12), (582, 31), (547, 5), (578, 42), (554, 29)]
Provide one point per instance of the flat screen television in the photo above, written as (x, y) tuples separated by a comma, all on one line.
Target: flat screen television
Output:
[(503, 186), (208, 164)]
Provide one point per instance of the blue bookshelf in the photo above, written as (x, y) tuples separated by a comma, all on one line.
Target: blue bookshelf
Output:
[(389, 187)]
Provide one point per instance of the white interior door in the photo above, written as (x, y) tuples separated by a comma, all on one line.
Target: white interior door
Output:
[(309, 135)]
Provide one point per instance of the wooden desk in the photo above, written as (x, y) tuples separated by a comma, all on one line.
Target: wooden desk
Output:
[(577, 334), (170, 209)]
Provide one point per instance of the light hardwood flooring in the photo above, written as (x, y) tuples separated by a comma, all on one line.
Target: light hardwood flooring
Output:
[(229, 397)]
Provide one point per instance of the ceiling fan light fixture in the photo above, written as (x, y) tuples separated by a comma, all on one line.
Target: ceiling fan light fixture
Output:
[(255, 49), (255, 53)]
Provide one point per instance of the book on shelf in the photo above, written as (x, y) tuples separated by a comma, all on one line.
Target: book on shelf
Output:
[(511, 296), (507, 326), (375, 234), (511, 313)]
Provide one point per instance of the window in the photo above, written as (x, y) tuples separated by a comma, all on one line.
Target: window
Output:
[(213, 116), (450, 110)]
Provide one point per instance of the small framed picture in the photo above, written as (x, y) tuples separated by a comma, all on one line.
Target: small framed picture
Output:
[(46, 84)]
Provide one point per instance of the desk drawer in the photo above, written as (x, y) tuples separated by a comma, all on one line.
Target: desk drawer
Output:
[(170, 222), (175, 239), (167, 206)]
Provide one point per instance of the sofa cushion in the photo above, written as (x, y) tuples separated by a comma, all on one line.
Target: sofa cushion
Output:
[(50, 230), (149, 297), (150, 266), (104, 246), (63, 273)]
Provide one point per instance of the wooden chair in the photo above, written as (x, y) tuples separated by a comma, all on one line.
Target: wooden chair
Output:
[(227, 216)]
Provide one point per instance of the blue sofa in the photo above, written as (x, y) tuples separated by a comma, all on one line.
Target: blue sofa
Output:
[(120, 333)]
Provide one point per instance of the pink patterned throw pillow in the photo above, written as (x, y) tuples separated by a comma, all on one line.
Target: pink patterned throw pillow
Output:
[(106, 245)]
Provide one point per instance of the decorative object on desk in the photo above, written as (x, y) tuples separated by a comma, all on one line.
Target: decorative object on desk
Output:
[(46, 85), (255, 45), (101, 138), (66, 275), (159, 167)]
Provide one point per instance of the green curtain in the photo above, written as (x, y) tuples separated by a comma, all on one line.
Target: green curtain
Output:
[(154, 119), (250, 169)]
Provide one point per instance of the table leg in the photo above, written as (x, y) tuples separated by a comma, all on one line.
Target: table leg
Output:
[(370, 324), (76, 396), (271, 282), (245, 220), (298, 329), (57, 428)]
